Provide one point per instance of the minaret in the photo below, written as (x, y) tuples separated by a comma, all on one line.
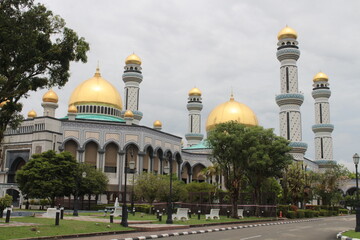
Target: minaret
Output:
[(322, 127), (50, 100), (290, 98), (194, 107), (132, 78)]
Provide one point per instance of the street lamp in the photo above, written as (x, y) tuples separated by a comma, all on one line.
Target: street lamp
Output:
[(124, 216), (132, 171), (168, 170), (357, 209)]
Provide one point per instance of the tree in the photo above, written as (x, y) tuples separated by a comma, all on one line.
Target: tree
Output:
[(36, 49), (92, 181), (239, 150), (5, 202), (328, 183), (147, 187), (293, 183), (48, 175)]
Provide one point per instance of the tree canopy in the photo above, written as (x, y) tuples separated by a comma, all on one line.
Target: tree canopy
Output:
[(48, 175), (36, 49), (244, 152)]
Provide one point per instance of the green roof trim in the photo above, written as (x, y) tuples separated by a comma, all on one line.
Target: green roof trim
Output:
[(97, 117), (202, 145)]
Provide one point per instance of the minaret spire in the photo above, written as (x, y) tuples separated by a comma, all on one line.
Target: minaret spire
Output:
[(132, 78), (322, 127), (194, 107), (290, 98)]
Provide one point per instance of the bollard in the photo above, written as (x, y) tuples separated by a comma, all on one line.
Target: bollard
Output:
[(189, 214), (157, 214), (133, 212), (228, 213), (8, 213), (62, 213), (57, 219), (160, 217), (199, 212), (111, 218), (280, 214)]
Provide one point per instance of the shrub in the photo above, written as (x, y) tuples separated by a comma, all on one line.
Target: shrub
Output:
[(309, 213), (291, 214), (293, 208), (145, 208), (316, 213), (324, 213), (283, 208), (300, 213), (343, 211), (313, 207), (335, 213)]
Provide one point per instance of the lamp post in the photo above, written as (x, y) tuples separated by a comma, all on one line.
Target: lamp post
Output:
[(132, 171), (76, 196), (357, 209), (168, 169), (124, 215)]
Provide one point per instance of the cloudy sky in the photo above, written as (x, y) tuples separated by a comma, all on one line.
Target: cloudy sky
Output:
[(218, 46)]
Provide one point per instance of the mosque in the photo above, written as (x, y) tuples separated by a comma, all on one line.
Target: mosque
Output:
[(105, 131)]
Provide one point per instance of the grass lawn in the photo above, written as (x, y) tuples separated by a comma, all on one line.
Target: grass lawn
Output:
[(48, 228), (352, 234)]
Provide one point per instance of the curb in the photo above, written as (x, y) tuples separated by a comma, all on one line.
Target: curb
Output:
[(214, 230), (341, 237)]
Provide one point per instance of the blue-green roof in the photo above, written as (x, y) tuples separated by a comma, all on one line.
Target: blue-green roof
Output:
[(98, 117), (203, 144)]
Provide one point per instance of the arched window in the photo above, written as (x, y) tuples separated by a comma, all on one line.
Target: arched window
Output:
[(91, 153), (72, 147)]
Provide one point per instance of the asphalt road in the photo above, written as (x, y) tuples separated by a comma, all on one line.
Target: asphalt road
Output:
[(323, 229)]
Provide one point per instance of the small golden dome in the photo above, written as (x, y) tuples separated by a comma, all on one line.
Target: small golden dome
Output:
[(195, 92), (50, 96), (97, 91), (231, 111), (32, 114), (129, 114), (320, 77), (72, 109), (287, 32), (133, 59), (157, 123)]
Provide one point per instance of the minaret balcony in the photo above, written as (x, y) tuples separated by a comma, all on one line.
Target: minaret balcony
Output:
[(194, 106), (298, 147), (321, 93), (132, 76), (289, 98), (194, 136), (323, 127), (288, 53)]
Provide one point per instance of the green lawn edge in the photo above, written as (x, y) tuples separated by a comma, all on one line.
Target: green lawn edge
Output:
[(351, 234)]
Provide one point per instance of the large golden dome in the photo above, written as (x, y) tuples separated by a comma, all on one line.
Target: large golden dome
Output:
[(98, 91), (231, 111), (133, 59), (287, 32), (320, 76)]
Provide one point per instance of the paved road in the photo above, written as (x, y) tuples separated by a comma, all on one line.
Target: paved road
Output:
[(323, 229)]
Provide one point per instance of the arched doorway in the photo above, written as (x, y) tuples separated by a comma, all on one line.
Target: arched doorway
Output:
[(186, 173), (91, 153), (197, 176), (15, 194), (15, 166), (72, 147)]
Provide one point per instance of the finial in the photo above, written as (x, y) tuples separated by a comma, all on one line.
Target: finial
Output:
[(97, 73), (231, 94)]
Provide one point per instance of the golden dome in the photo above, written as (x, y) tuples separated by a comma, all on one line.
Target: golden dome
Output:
[(129, 114), (72, 109), (287, 32), (50, 96), (133, 59), (195, 92), (320, 77), (96, 90), (157, 123), (231, 111), (32, 114)]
